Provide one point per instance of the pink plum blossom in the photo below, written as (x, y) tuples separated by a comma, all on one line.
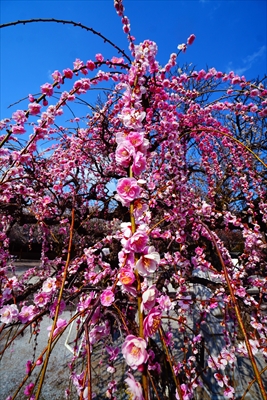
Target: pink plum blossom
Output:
[(113, 352), (53, 307), (185, 302), (39, 361), (34, 108), (47, 89), (68, 73), (126, 259), (90, 65), (217, 362), (112, 388), (85, 301), (148, 263), (254, 92), (111, 369), (132, 118), (29, 389), (57, 76), (127, 190), (138, 241), (99, 57), (107, 297), (49, 285), (78, 64), (119, 7), (99, 332), (126, 228), (121, 136), (191, 39), (9, 313), (127, 279), (139, 164), (27, 314), (134, 388), (41, 299), (31, 98), (223, 381), (28, 367), (126, 276), (134, 351), (124, 153), (96, 315), (19, 116), (187, 395), (140, 209), (197, 339), (84, 71), (77, 380), (240, 291), (117, 60), (229, 392), (182, 47), (149, 298), (18, 129), (61, 324), (152, 322), (165, 303), (228, 355), (136, 138)]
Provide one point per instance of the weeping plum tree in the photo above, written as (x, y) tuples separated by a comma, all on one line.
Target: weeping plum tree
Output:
[(134, 200)]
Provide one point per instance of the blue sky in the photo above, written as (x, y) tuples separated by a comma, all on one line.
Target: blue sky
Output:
[(230, 35)]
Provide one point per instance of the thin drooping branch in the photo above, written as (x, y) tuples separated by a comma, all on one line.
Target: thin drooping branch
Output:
[(239, 318), (65, 22), (64, 277)]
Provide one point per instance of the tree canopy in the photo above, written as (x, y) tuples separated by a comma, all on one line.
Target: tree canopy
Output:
[(138, 203)]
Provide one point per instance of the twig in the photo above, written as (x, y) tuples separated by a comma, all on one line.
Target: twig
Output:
[(65, 22), (57, 307)]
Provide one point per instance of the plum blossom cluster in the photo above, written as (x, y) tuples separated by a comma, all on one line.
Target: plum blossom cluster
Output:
[(135, 208)]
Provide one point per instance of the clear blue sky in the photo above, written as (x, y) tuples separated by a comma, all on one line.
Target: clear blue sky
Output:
[(230, 35)]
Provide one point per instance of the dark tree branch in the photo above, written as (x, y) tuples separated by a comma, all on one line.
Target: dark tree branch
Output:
[(65, 22)]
